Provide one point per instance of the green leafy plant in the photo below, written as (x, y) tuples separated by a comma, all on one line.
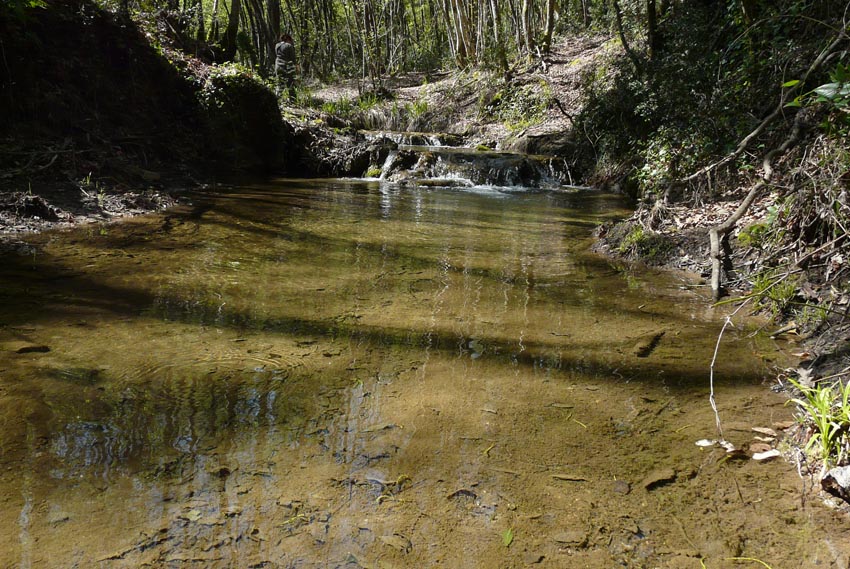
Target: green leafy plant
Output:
[(418, 108), (643, 244), (753, 235), (774, 293), (827, 410), (367, 101), (835, 93), (520, 107), (18, 7)]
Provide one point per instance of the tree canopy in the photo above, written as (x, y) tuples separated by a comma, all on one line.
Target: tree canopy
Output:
[(368, 38)]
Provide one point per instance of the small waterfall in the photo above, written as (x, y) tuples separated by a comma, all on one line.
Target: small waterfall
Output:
[(430, 159), (388, 164), (426, 139)]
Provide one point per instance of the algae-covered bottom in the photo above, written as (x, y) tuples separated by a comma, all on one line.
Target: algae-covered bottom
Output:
[(340, 374)]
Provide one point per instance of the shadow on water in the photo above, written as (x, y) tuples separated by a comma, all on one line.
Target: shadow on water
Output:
[(148, 419), (43, 281), (331, 374)]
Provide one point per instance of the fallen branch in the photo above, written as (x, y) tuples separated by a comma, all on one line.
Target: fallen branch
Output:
[(780, 107), (726, 323), (717, 232), (720, 231)]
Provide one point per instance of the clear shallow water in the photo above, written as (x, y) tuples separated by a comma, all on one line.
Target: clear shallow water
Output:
[(335, 374)]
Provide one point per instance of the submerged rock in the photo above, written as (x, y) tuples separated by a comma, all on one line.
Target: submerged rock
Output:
[(646, 343), (23, 347), (837, 482), (571, 538), (658, 477)]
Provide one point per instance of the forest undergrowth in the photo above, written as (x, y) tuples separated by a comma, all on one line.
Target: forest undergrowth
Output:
[(736, 152)]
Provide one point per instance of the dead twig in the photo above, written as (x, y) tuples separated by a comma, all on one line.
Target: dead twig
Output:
[(726, 323), (720, 231)]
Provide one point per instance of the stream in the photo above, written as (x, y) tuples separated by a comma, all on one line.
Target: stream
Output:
[(340, 373)]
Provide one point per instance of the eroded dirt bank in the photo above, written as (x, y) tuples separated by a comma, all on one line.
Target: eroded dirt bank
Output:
[(115, 127)]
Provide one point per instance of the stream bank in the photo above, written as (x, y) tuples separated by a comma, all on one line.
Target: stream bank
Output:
[(102, 118)]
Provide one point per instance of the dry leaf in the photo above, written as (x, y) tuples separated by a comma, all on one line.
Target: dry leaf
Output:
[(762, 456)]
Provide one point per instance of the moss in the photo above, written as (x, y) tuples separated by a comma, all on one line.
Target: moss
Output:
[(753, 235), (638, 243), (242, 114)]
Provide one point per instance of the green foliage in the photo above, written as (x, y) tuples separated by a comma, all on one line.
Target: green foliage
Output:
[(642, 244), (19, 7), (706, 88), (225, 83), (811, 316), (669, 154), (508, 537), (753, 235), (242, 115), (520, 107), (763, 234), (418, 108), (367, 101), (826, 410), (371, 111), (632, 239), (340, 108), (774, 293), (303, 96), (836, 93)]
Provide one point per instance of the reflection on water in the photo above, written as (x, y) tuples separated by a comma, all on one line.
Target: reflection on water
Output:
[(339, 374)]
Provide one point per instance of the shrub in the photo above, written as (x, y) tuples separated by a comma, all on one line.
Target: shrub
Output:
[(243, 117)]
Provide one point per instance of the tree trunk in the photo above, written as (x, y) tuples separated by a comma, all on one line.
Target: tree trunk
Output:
[(652, 28), (550, 26), (465, 29), (527, 41), (631, 54), (501, 56), (214, 26), (229, 40), (201, 35), (273, 8)]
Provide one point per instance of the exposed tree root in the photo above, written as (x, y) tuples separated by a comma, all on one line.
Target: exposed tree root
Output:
[(718, 233)]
